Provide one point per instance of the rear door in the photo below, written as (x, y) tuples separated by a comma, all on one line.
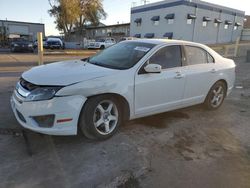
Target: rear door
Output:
[(158, 92), (200, 75)]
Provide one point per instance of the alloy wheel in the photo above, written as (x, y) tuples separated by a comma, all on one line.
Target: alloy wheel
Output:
[(105, 117), (217, 97)]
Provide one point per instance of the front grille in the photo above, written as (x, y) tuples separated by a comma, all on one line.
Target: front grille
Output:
[(27, 85), (20, 116)]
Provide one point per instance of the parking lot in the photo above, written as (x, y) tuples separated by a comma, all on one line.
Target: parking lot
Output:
[(191, 147)]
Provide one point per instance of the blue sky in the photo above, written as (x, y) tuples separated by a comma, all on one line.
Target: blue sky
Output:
[(118, 11)]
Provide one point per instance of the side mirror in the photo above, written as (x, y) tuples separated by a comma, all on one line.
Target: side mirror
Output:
[(153, 68)]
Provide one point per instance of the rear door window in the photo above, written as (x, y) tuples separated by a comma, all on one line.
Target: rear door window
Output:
[(195, 55)]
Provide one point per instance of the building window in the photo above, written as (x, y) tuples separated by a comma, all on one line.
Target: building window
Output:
[(137, 35), (237, 25), (204, 24), (156, 20), (168, 35), (138, 22), (217, 22), (227, 24), (205, 21), (149, 35), (190, 18), (170, 18), (170, 21), (103, 31), (189, 21)]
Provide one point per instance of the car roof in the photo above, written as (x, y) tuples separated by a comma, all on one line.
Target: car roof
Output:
[(167, 41), (176, 42)]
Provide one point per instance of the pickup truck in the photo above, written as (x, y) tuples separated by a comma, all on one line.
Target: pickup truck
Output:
[(101, 43)]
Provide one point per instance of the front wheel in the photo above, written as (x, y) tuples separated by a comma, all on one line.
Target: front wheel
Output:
[(216, 96), (100, 117)]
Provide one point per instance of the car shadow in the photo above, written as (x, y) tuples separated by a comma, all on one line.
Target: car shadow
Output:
[(37, 142), (161, 121)]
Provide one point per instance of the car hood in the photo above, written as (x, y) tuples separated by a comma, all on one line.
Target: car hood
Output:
[(65, 73)]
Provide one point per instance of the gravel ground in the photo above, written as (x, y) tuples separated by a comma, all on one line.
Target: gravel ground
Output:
[(190, 147)]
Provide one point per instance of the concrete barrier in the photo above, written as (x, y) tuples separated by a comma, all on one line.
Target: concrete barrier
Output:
[(74, 45), (232, 50), (245, 36)]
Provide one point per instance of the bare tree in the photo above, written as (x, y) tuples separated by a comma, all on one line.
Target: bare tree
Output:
[(76, 13)]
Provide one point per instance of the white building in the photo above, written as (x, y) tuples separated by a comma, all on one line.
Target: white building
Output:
[(191, 20)]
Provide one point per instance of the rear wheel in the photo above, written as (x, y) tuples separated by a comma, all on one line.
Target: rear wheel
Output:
[(102, 47), (100, 117), (216, 96)]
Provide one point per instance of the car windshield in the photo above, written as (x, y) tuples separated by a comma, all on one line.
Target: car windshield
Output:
[(122, 55), (100, 40)]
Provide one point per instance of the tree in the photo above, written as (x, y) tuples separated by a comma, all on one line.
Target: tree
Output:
[(76, 13)]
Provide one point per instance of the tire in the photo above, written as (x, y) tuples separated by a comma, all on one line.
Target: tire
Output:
[(216, 96), (102, 47), (100, 117)]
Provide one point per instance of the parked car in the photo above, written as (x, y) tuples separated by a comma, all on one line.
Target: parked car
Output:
[(54, 43), (129, 80), (128, 38), (21, 45), (101, 43)]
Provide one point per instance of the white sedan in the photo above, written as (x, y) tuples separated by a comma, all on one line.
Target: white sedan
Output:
[(129, 80)]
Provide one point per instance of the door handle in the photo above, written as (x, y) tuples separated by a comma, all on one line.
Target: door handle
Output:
[(179, 75), (213, 71)]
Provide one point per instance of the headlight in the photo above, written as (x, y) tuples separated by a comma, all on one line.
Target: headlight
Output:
[(16, 45), (30, 45), (42, 93)]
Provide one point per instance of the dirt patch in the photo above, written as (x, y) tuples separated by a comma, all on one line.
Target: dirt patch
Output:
[(131, 182), (197, 144), (181, 145)]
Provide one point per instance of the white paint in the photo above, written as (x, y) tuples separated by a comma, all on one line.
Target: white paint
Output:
[(146, 93)]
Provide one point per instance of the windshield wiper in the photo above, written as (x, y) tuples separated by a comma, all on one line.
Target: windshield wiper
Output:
[(94, 63), (85, 59), (104, 65)]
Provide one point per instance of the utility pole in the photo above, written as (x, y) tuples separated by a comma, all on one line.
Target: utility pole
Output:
[(145, 2), (133, 4)]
